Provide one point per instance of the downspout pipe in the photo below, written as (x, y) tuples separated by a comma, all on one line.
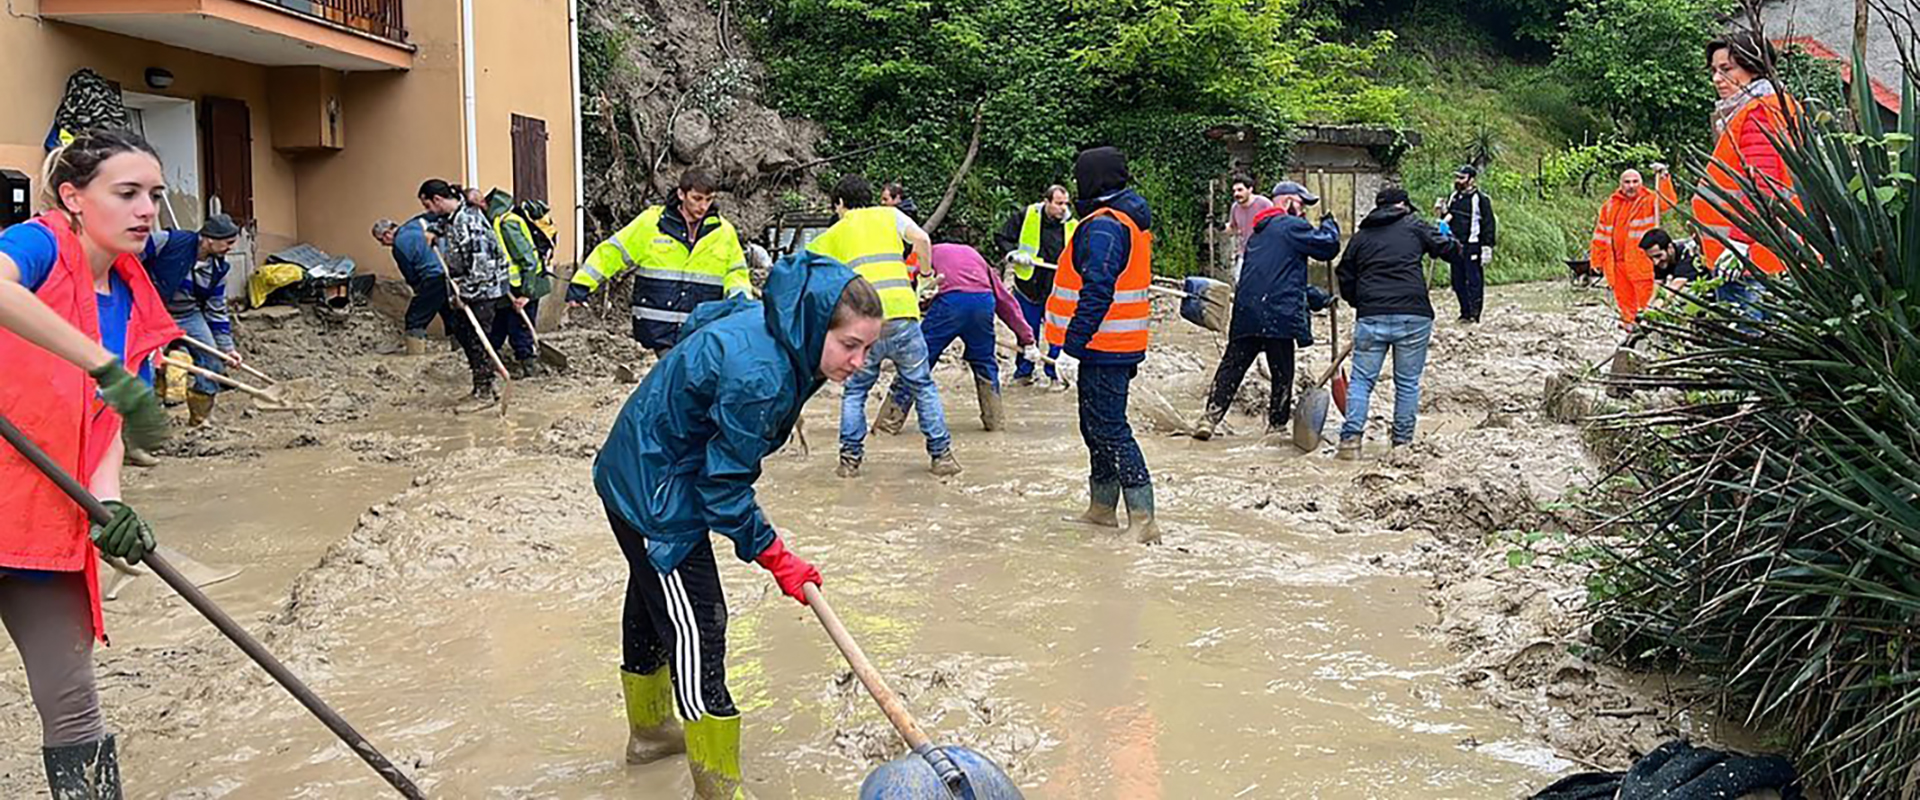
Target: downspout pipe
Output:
[(579, 146), (468, 78)]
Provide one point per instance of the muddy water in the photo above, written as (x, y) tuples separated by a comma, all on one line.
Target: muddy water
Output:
[(450, 586)]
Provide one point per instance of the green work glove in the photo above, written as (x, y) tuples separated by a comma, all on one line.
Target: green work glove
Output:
[(125, 536), (140, 412)]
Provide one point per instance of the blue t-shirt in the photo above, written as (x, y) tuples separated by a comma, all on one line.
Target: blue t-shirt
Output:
[(35, 251)]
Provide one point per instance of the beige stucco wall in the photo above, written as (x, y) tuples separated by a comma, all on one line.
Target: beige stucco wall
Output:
[(41, 54), (522, 61), (400, 129)]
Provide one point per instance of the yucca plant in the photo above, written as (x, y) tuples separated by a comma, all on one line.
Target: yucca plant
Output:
[(1772, 537)]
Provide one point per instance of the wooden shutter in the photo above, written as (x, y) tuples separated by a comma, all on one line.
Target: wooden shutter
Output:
[(226, 133), (529, 158)]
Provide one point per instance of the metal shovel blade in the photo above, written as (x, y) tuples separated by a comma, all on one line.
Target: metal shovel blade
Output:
[(1310, 418), (195, 572), (553, 356), (912, 777)]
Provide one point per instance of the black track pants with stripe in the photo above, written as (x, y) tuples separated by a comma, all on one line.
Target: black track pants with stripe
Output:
[(677, 620)]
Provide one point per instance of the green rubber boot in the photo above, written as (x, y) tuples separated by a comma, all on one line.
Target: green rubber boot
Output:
[(1103, 506), (653, 732), (1140, 523), (89, 771), (713, 755)]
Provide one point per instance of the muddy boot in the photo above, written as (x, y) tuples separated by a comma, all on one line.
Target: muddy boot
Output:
[(141, 458), (891, 419), (482, 398), (849, 465), (992, 417), (945, 465), (416, 346), (89, 771), (199, 408), (1103, 504), (713, 756), (653, 732), (1204, 427), (1140, 524), (1349, 449)]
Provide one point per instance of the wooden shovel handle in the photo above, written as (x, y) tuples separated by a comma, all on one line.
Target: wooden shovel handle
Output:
[(1339, 356), (216, 377), (890, 704), (230, 358)]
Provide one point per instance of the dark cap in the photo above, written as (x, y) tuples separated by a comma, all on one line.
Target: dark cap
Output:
[(1294, 188), (1468, 170), (1390, 195), (219, 226)]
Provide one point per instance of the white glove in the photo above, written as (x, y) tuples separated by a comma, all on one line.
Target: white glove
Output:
[(1486, 256), (1031, 353), (1021, 257), (1067, 367)]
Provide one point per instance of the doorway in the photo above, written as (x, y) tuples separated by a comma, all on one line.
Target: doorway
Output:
[(172, 126)]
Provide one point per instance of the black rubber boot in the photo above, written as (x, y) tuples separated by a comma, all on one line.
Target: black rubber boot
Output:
[(87, 771)]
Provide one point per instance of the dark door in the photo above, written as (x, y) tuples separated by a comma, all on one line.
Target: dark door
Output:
[(529, 158), (226, 131)]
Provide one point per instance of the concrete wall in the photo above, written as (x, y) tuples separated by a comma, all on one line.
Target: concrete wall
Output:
[(521, 54), (40, 56)]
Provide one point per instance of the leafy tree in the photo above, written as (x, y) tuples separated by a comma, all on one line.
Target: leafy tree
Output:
[(1048, 78), (1642, 61)]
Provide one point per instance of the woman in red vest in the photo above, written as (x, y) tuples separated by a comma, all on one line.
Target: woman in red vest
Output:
[(1750, 108), (75, 308)]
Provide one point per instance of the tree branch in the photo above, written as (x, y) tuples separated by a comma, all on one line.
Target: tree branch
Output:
[(939, 214)]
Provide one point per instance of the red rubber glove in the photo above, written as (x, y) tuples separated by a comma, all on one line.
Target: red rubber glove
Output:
[(788, 570)]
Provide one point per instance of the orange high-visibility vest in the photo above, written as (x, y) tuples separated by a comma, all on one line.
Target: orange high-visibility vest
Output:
[(1727, 157), (1125, 327)]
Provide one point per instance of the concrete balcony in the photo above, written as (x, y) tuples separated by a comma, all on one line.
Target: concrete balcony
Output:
[(347, 35)]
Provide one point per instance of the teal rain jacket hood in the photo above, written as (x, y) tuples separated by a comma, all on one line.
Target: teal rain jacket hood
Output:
[(685, 451)]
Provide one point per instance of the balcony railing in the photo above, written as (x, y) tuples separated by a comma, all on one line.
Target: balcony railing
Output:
[(378, 17)]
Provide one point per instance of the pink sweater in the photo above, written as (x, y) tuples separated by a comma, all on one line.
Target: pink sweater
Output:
[(961, 269)]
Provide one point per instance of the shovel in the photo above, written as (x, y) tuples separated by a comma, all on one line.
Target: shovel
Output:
[(195, 572), (549, 355), (232, 360), (499, 367), (274, 401), (1310, 413), (163, 567), (929, 772)]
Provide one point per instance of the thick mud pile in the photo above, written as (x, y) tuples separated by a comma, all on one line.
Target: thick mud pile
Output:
[(1404, 626)]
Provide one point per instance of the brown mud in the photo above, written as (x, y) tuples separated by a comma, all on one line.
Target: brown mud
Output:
[(1309, 628)]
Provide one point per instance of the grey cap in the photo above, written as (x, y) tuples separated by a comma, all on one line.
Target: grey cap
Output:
[(219, 226), (1294, 188)]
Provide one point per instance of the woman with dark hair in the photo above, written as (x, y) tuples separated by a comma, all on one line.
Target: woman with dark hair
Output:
[(1750, 110), (681, 462), (74, 303)]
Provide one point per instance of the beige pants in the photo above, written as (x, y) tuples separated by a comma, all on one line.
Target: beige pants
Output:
[(51, 623)]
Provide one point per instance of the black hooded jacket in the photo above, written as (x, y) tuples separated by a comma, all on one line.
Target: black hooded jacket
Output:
[(1380, 272)]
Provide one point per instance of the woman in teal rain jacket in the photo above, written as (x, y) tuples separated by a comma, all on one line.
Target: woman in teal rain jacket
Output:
[(681, 462)]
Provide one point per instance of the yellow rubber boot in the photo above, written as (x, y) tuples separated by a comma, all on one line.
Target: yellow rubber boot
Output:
[(653, 732), (199, 408), (713, 755)]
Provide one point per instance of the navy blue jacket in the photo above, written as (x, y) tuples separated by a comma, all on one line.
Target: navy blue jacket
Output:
[(416, 258), (1273, 299), (686, 449), (1101, 248), (169, 258)]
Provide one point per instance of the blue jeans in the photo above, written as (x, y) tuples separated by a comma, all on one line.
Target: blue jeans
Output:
[(1407, 335), (967, 316), (508, 327), (902, 343), (1035, 314), (429, 301), (194, 324), (1113, 456)]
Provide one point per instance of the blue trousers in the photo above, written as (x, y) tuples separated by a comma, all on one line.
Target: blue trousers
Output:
[(1035, 314), (902, 343), (1407, 336), (1470, 283), (967, 316), (194, 324), (508, 327), (429, 301), (1113, 456)]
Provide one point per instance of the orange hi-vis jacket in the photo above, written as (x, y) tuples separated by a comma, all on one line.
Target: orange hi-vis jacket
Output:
[(1744, 148), (1124, 328), (1615, 248)]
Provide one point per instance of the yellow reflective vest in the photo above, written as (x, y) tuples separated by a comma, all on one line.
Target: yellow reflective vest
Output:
[(1030, 238), (868, 240), (716, 258)]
